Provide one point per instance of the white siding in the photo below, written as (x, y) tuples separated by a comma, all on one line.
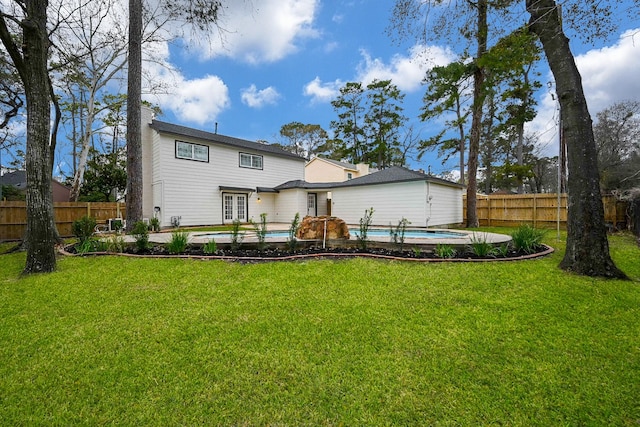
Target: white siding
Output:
[(289, 203), (446, 204), (191, 188), (392, 202)]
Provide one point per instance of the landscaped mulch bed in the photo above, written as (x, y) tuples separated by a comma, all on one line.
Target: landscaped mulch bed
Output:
[(266, 255)]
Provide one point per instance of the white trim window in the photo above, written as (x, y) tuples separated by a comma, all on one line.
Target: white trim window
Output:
[(252, 161), (189, 151)]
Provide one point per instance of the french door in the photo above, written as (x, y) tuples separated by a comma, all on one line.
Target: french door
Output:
[(234, 207)]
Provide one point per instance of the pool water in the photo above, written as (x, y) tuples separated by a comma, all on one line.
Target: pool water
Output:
[(371, 233)]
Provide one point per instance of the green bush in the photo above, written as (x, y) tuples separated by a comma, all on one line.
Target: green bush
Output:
[(236, 236), (479, 245), (445, 251), (84, 228), (140, 232), (179, 242), (116, 244), (154, 224), (365, 223), (210, 247), (527, 239), (292, 240), (397, 233), (261, 231)]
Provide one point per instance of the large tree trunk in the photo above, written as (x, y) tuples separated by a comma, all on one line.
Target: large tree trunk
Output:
[(40, 238), (476, 121), (134, 137), (587, 246)]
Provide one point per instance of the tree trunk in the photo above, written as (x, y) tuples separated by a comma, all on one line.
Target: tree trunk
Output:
[(134, 95), (40, 238), (476, 122), (587, 246)]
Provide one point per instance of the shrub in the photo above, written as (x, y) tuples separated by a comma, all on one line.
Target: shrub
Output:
[(154, 224), (445, 251), (179, 242), (292, 240), (397, 233), (140, 232), (84, 228), (365, 223), (527, 239), (236, 236), (503, 250), (116, 244), (416, 251), (210, 247), (479, 245), (261, 230)]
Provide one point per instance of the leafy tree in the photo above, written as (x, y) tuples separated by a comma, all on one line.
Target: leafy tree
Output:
[(587, 250), (617, 136), (349, 129), (305, 140), (106, 177), (448, 94), (384, 118)]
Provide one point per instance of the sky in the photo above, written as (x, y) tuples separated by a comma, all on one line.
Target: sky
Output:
[(279, 61)]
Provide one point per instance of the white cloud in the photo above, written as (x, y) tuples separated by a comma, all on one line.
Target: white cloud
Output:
[(608, 75), (405, 71), (255, 98), (322, 92), (264, 31), (197, 101)]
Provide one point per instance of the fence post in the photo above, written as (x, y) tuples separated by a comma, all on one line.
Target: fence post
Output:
[(535, 210), (89, 209), (489, 210)]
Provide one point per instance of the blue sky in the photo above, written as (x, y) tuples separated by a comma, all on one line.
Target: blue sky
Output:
[(280, 61), (284, 60)]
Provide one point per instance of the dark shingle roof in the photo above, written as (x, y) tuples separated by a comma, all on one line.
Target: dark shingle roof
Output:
[(243, 144), (384, 176), (15, 178), (394, 174)]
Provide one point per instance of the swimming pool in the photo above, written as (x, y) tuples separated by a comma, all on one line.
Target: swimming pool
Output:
[(373, 233)]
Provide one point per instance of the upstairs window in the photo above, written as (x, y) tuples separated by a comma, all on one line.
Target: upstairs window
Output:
[(252, 161), (186, 150), (349, 175)]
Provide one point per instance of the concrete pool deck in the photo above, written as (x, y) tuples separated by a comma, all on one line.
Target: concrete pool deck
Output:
[(250, 237)]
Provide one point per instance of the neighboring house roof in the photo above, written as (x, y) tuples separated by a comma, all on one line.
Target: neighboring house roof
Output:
[(343, 165), (390, 175), (17, 179), (216, 138)]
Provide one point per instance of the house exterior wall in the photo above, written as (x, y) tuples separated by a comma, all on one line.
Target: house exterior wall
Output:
[(317, 170), (391, 202), (289, 202), (190, 189), (446, 204)]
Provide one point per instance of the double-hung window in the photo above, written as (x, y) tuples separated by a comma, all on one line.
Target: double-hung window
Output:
[(186, 150), (252, 161)]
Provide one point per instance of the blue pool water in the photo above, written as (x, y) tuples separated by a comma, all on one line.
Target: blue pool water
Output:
[(377, 233)]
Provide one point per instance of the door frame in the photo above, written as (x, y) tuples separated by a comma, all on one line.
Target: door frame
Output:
[(315, 203), (234, 206)]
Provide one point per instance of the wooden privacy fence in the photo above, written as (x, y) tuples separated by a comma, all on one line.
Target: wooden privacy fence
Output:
[(13, 216), (538, 210)]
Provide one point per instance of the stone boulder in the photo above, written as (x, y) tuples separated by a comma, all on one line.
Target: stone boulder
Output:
[(312, 227)]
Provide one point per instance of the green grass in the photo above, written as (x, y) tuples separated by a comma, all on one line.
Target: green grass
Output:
[(113, 340)]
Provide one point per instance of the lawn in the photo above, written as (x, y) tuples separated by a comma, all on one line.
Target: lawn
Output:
[(111, 340)]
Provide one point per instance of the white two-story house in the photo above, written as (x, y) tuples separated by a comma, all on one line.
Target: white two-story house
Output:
[(198, 178), (193, 177)]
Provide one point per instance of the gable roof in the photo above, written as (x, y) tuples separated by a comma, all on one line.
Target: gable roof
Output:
[(342, 165), (242, 144), (393, 174)]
